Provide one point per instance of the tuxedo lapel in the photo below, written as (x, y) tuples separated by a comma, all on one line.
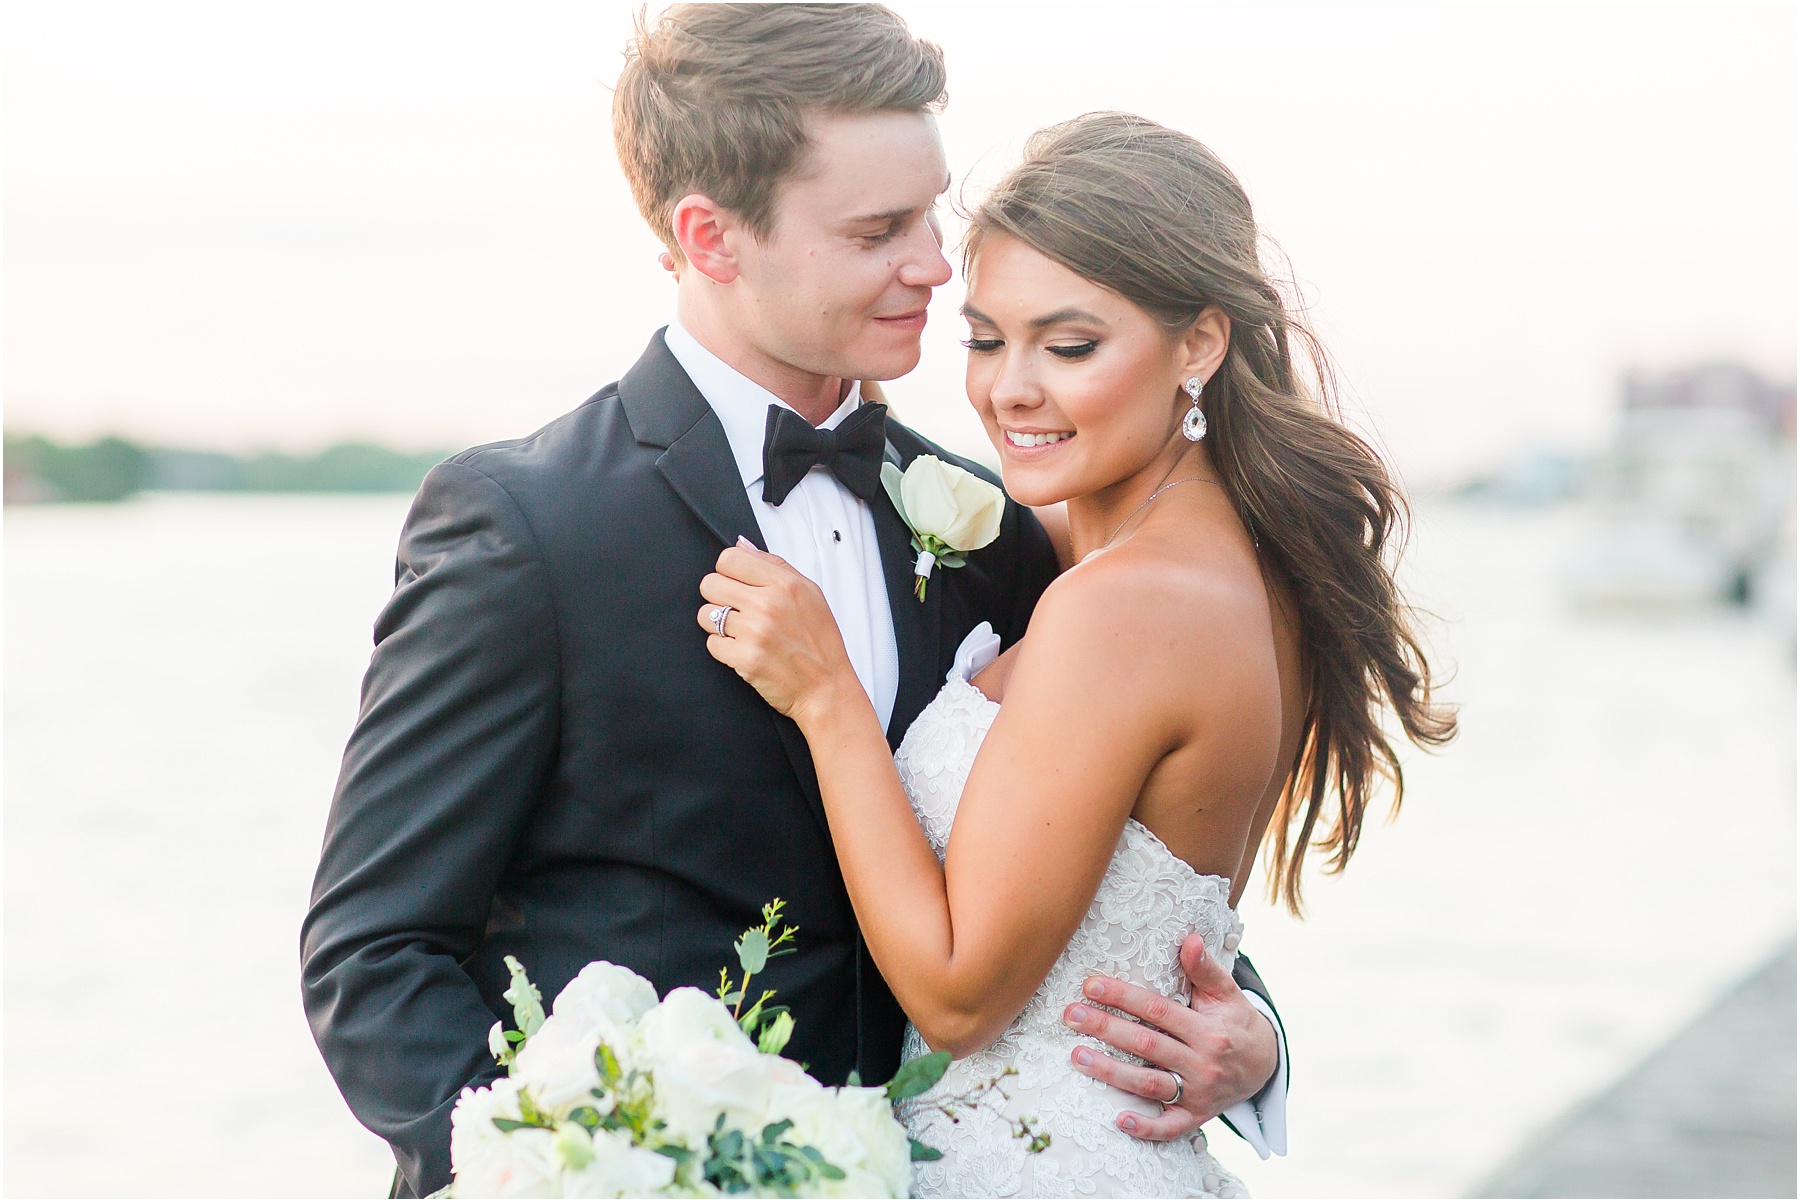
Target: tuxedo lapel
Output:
[(666, 410), (917, 624)]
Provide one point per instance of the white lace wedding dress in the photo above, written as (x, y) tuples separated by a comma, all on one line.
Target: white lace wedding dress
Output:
[(1149, 900)]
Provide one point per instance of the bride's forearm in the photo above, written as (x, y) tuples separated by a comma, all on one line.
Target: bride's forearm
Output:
[(895, 881)]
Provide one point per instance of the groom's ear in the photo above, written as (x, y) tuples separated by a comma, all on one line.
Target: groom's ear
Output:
[(702, 230)]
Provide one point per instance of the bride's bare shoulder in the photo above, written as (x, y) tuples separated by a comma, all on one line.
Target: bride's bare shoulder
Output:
[(1142, 610)]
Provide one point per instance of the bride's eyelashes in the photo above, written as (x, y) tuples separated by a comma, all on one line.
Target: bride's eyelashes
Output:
[(1070, 351)]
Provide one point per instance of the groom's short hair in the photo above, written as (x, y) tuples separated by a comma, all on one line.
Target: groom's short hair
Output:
[(713, 98)]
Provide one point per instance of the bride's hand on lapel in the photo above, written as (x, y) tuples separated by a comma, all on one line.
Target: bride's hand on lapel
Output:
[(779, 633)]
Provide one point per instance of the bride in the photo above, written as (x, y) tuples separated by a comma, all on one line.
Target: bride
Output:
[(1208, 678)]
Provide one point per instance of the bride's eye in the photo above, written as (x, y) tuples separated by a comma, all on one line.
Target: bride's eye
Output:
[(1078, 350), (982, 345)]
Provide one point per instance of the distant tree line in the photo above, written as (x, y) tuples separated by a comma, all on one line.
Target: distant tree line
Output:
[(112, 469)]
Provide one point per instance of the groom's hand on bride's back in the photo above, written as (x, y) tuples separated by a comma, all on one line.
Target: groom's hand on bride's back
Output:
[(1224, 1048)]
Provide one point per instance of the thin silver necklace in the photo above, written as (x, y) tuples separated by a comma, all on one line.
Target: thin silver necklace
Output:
[(1159, 492)]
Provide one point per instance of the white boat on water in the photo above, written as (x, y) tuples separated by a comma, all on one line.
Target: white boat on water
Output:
[(1692, 503)]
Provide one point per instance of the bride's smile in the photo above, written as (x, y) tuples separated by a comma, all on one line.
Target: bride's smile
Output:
[(1080, 389)]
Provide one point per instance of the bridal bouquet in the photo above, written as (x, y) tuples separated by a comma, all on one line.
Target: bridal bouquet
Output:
[(616, 1094)]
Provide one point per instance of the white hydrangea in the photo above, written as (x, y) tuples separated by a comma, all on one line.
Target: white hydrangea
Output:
[(492, 1164)]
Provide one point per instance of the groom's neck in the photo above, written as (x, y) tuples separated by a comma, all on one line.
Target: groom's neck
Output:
[(813, 396)]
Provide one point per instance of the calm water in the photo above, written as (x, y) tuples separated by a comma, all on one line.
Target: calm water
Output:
[(1609, 845)]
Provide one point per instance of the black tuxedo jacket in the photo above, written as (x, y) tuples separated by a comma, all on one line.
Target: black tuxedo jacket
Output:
[(548, 764)]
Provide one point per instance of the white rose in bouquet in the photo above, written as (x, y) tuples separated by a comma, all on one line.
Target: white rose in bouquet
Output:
[(619, 1169), (557, 1065), (685, 1017), (854, 1128), (609, 996), (704, 1081), (868, 1116), (704, 1066)]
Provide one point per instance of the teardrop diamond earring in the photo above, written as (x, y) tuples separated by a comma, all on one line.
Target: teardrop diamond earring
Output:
[(1193, 426)]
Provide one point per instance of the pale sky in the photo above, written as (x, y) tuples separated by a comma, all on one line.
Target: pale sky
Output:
[(282, 224)]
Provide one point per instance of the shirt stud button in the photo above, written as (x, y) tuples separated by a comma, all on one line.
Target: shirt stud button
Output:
[(836, 537)]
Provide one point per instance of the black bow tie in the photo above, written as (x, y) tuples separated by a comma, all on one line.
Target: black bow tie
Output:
[(793, 446)]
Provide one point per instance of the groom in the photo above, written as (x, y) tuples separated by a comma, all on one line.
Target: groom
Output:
[(547, 764)]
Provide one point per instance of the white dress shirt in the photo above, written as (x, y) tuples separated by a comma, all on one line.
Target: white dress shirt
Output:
[(823, 529)]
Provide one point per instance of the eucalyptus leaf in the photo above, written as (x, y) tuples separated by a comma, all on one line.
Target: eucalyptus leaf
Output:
[(924, 1151), (753, 951), (918, 1075)]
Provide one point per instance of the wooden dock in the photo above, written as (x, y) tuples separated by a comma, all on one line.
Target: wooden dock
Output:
[(1709, 1115)]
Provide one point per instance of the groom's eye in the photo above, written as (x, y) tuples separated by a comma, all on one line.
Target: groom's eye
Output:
[(1076, 350), (880, 237), (982, 345)]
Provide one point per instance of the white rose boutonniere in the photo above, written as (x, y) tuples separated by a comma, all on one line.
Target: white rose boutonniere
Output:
[(949, 511)]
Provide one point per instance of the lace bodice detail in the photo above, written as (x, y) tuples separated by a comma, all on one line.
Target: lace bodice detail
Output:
[(1149, 900)]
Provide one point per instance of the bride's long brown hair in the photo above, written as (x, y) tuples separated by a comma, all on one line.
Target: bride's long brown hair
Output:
[(1153, 215)]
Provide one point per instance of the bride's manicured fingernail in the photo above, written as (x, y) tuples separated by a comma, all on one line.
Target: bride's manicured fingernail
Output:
[(1083, 1057), (1095, 989), (744, 542), (1078, 1014), (1128, 1122)]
